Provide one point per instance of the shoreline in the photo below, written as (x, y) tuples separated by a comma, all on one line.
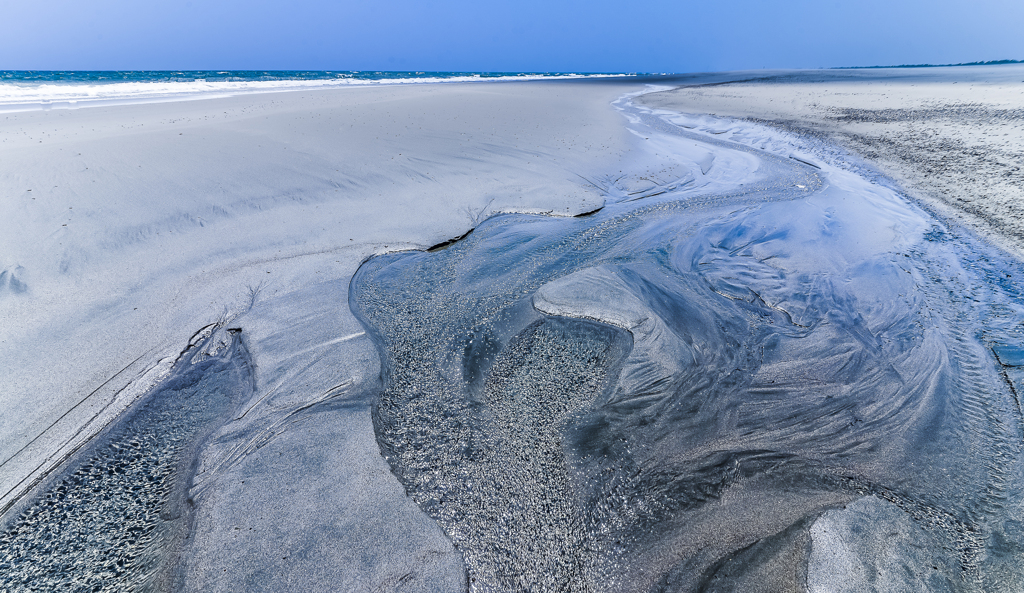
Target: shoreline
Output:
[(20, 96)]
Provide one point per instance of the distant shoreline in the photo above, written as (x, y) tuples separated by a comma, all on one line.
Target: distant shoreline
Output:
[(988, 63)]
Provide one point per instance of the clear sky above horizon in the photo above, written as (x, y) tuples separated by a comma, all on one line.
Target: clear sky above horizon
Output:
[(527, 35)]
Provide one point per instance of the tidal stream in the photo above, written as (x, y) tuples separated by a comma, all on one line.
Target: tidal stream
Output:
[(782, 384)]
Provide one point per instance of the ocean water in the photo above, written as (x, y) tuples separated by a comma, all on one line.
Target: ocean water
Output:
[(31, 89)]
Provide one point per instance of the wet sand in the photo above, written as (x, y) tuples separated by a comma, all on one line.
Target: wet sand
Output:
[(126, 229), (953, 137), (677, 351)]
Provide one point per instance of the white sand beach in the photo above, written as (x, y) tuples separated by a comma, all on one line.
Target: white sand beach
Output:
[(128, 228), (129, 232)]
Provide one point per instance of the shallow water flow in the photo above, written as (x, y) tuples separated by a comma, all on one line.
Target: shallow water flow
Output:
[(689, 390)]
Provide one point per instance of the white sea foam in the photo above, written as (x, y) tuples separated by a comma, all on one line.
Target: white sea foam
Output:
[(29, 96)]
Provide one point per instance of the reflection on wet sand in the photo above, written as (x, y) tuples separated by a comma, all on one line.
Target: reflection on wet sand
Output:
[(717, 388)]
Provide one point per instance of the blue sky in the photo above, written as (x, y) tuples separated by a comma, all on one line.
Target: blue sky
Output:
[(481, 35)]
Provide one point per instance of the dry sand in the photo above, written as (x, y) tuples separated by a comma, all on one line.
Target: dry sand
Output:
[(953, 137)]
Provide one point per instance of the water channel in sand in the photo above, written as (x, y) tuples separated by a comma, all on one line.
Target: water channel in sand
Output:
[(749, 371), (778, 380), (116, 517)]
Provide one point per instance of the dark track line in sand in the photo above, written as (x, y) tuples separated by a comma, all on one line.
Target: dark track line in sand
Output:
[(40, 478)]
